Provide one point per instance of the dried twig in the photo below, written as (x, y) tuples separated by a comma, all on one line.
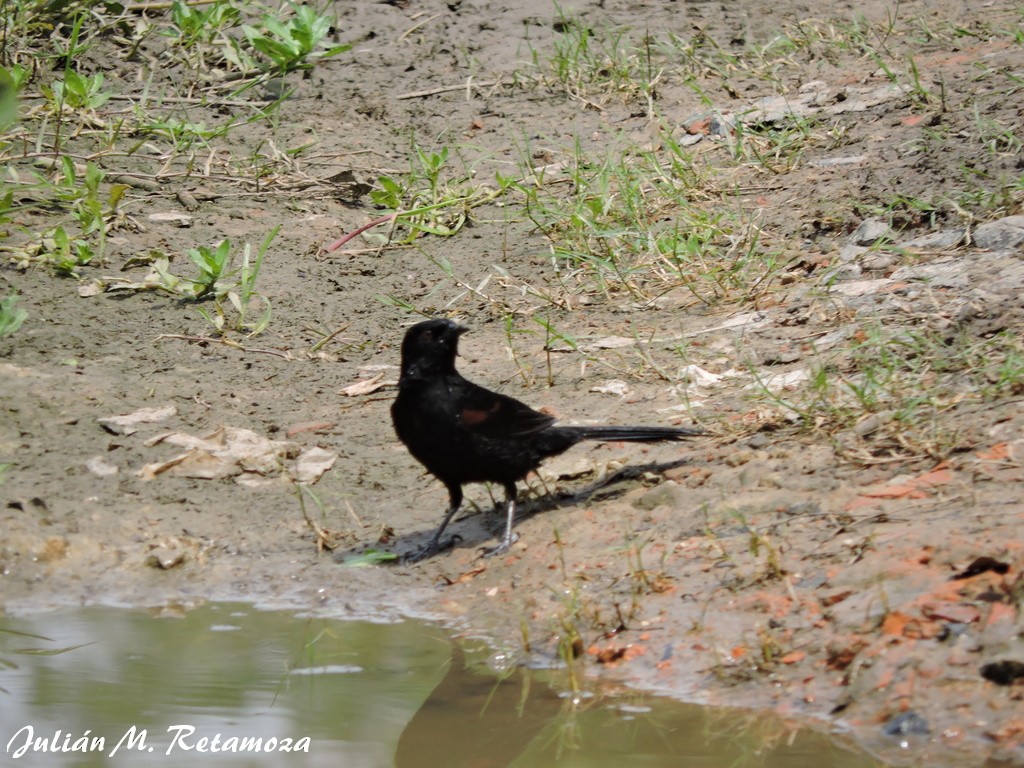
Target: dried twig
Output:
[(156, 101), (414, 27), (226, 343), (356, 232), (324, 538), (446, 89), (164, 5)]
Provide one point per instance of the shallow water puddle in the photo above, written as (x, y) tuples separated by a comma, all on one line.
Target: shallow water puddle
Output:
[(229, 685)]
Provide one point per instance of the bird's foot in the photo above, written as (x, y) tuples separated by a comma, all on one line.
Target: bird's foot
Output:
[(501, 547), (430, 549)]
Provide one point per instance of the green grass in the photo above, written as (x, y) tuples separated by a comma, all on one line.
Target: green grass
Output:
[(636, 222), (294, 40), (909, 382), (219, 280), (69, 111), (595, 65), (67, 128), (11, 316), (431, 198)]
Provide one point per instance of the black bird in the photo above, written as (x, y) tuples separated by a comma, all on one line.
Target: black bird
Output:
[(463, 433)]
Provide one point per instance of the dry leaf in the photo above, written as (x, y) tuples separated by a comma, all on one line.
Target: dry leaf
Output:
[(309, 426), (312, 464), (128, 423), (367, 386), (253, 460), (612, 387), (100, 467)]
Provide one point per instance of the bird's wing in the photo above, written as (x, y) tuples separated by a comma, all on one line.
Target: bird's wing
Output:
[(494, 415)]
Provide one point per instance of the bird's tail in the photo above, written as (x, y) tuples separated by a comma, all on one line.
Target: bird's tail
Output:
[(635, 434)]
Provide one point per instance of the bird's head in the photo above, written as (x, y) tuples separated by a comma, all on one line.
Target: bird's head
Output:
[(430, 347)]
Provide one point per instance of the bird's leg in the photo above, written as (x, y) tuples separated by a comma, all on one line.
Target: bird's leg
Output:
[(510, 512), (434, 546)]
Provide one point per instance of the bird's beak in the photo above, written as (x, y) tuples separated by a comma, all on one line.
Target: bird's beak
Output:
[(454, 333)]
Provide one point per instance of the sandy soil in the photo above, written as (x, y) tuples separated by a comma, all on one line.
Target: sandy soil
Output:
[(865, 577)]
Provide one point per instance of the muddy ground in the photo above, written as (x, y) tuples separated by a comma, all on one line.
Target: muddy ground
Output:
[(867, 576)]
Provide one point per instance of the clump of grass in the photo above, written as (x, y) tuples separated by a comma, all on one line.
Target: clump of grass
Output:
[(760, 544), (569, 632), (218, 281), (294, 41), (637, 222), (236, 304), (905, 382), (65, 134), (92, 213), (430, 199), (594, 65), (11, 316), (77, 93), (64, 253), (643, 580), (198, 34)]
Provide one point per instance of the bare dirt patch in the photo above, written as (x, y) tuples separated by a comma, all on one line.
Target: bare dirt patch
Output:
[(798, 227)]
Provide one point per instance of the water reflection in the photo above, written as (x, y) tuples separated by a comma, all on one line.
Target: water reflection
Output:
[(471, 721), (478, 722), (363, 694)]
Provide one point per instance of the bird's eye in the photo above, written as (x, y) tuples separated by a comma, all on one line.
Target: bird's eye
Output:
[(427, 335)]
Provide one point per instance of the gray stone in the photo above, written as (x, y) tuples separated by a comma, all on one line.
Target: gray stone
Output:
[(831, 162), (937, 241), (944, 274), (171, 217), (812, 86), (817, 97), (862, 287), (850, 253), (1007, 232), (1013, 221), (843, 272), (870, 232), (722, 126), (781, 356), (829, 340), (666, 494), (878, 262), (760, 440)]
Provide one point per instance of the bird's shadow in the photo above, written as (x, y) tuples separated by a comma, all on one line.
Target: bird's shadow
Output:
[(488, 526)]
